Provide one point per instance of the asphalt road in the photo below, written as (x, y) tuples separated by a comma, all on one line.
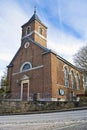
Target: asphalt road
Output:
[(71, 120), (82, 126)]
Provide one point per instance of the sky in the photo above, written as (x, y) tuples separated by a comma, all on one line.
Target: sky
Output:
[(66, 21)]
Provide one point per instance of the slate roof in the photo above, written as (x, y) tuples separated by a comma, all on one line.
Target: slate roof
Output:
[(34, 17)]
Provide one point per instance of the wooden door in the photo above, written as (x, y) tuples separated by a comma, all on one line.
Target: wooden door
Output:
[(25, 91)]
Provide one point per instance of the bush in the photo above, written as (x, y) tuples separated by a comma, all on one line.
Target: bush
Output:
[(1, 92)]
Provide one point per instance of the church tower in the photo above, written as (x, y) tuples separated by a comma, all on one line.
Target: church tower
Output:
[(35, 29)]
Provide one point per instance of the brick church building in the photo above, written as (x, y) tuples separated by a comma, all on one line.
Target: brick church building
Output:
[(37, 70)]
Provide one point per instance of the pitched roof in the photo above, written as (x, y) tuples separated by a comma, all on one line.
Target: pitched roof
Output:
[(46, 51), (27, 39), (62, 59), (34, 17)]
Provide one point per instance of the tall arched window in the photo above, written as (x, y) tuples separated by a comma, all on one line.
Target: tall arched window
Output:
[(66, 77), (72, 79), (84, 80), (78, 82), (26, 66), (28, 30)]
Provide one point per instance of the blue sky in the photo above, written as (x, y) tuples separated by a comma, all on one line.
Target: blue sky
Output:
[(66, 21)]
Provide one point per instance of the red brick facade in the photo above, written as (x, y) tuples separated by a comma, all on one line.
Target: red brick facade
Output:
[(45, 76)]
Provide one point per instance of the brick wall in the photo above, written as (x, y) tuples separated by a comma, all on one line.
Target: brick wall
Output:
[(57, 73)]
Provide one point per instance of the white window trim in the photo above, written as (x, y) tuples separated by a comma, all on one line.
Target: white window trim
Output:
[(66, 81), (21, 69), (66, 67), (39, 30), (78, 81), (34, 68), (72, 79)]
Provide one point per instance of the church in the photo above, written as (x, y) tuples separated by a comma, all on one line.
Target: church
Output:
[(38, 71)]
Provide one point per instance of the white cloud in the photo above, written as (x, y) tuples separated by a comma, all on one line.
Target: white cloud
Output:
[(11, 18), (73, 13), (1, 73), (63, 43)]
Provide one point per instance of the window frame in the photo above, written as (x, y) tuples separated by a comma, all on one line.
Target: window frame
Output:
[(21, 69), (28, 30), (72, 79), (66, 76), (40, 31), (78, 81)]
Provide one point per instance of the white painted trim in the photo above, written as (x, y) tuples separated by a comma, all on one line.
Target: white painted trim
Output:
[(48, 99), (40, 35), (66, 67), (37, 67), (39, 30), (45, 99), (24, 64), (27, 29), (62, 99), (24, 81), (25, 77), (52, 99), (71, 71), (36, 33), (41, 99)]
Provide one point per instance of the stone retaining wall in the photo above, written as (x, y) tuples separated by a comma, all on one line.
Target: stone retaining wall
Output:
[(23, 107), (15, 107), (12, 107)]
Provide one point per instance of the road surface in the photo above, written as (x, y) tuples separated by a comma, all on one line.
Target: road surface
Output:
[(70, 120)]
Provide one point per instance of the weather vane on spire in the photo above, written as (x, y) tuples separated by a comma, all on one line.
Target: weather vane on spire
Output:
[(34, 9)]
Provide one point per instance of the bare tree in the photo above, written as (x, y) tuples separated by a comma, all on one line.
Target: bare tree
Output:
[(80, 58)]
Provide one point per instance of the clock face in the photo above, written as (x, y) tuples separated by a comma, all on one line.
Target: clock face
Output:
[(26, 44), (61, 92)]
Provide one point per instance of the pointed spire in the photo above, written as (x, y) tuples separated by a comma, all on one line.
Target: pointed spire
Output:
[(34, 9), (34, 17)]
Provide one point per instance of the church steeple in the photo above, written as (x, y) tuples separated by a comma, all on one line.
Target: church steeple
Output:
[(35, 10), (35, 29)]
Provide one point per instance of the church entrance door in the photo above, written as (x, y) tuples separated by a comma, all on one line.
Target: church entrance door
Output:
[(25, 91), (25, 88)]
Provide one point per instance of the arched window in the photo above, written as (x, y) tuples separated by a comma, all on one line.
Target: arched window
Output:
[(84, 80), (78, 82), (66, 77), (72, 79), (26, 66), (40, 30), (28, 30)]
